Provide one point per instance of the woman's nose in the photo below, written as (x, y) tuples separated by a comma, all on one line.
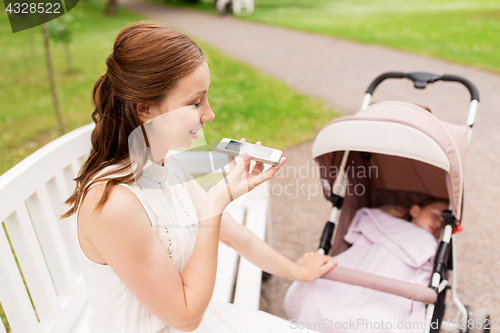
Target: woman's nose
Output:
[(207, 113)]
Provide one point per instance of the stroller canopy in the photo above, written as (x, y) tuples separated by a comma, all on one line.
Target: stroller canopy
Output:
[(414, 150)]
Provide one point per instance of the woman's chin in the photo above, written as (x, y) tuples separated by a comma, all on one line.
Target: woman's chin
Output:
[(185, 145)]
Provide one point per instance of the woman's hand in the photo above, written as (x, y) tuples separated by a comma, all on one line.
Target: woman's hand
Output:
[(314, 265), (241, 180)]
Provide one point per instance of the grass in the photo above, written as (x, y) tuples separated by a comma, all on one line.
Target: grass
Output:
[(461, 31), (242, 98)]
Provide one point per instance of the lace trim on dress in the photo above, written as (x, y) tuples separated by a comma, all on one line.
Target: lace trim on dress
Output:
[(173, 193), (166, 240)]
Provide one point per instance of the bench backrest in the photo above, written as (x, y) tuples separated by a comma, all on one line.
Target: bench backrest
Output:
[(32, 195)]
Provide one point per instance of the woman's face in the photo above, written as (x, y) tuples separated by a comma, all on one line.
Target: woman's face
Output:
[(178, 120)]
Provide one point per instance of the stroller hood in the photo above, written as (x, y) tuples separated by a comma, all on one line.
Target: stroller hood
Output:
[(414, 151)]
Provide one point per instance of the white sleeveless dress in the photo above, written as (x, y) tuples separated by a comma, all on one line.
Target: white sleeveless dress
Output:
[(163, 193)]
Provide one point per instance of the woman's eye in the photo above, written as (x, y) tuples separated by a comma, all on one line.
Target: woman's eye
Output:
[(198, 104)]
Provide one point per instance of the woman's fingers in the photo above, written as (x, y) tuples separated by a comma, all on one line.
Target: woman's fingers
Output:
[(261, 177), (328, 264), (269, 173), (315, 265), (241, 170), (232, 162), (257, 168)]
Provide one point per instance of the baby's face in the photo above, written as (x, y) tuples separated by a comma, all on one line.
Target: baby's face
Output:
[(429, 217)]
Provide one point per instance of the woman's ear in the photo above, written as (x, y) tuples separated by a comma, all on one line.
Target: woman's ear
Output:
[(143, 111), (414, 210)]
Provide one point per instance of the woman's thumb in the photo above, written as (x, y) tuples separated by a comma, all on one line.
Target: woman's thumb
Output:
[(244, 162), (242, 165)]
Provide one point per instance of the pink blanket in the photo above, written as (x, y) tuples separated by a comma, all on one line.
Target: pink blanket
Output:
[(382, 245)]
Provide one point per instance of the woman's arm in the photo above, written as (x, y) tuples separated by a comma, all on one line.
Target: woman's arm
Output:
[(247, 244), (258, 252), (122, 235), (120, 232)]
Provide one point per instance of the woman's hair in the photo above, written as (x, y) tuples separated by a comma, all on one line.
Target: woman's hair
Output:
[(148, 59)]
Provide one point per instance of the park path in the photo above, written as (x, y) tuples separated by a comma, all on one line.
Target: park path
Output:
[(339, 71)]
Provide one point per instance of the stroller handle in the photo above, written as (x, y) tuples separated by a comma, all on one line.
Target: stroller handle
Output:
[(421, 79)]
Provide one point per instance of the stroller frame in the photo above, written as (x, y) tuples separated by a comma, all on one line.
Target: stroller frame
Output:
[(445, 259)]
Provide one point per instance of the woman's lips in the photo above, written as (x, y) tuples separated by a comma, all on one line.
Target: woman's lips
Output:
[(195, 134)]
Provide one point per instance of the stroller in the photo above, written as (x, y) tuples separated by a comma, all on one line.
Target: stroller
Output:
[(417, 156)]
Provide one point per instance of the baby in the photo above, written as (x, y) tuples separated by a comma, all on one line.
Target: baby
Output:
[(382, 244), (426, 214)]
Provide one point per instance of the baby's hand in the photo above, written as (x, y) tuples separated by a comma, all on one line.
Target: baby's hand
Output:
[(314, 265)]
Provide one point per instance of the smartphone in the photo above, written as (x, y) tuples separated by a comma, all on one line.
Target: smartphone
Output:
[(258, 153)]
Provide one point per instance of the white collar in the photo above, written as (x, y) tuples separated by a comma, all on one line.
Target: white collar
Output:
[(155, 172)]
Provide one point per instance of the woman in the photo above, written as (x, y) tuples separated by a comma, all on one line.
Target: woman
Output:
[(149, 246)]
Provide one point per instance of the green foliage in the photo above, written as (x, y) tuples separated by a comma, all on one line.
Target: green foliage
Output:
[(4, 319), (246, 103), (62, 29)]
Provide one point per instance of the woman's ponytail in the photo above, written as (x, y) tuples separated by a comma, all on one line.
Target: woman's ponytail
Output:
[(102, 97), (147, 60)]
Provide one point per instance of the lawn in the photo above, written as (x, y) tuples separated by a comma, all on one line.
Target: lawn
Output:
[(242, 98), (461, 31)]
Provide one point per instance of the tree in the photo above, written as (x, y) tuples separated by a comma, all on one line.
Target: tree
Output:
[(112, 8), (61, 30), (52, 81)]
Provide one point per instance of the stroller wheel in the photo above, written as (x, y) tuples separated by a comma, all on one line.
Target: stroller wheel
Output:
[(480, 322)]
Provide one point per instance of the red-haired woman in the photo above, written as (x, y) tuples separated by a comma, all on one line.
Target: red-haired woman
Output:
[(147, 231)]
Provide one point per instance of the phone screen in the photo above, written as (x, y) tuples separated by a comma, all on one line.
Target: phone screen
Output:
[(243, 148)]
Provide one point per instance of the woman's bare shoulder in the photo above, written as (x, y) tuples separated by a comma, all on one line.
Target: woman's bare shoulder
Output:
[(122, 209)]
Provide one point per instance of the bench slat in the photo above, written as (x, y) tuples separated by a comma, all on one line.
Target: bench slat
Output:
[(68, 178), (50, 239), (14, 298), (58, 193), (226, 264), (30, 258), (249, 279)]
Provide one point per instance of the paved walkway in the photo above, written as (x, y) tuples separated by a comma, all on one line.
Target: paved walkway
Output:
[(339, 72)]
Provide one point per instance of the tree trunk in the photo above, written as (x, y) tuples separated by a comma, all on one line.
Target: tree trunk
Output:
[(112, 8), (62, 129)]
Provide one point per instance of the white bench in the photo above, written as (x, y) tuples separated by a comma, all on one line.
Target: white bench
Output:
[(32, 195), (243, 7)]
